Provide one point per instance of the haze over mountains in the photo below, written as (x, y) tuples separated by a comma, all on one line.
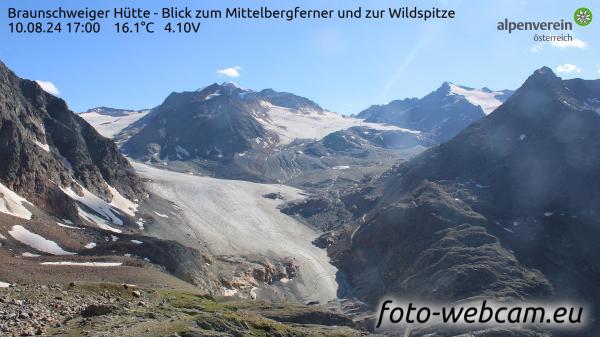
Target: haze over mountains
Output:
[(262, 135), (442, 113), (264, 195)]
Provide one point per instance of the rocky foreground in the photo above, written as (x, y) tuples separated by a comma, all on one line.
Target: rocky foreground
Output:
[(93, 309)]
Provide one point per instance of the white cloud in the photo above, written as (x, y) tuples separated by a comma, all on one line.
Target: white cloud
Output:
[(48, 87), (229, 72), (567, 68), (575, 43), (536, 48)]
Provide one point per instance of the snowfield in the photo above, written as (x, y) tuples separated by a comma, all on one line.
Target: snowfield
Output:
[(66, 226), (98, 221), (234, 218), (36, 241), (83, 264), (485, 99), (13, 204), (96, 204), (292, 124), (109, 212), (109, 126), (122, 203)]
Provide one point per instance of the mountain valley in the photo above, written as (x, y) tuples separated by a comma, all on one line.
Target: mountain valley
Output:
[(233, 212)]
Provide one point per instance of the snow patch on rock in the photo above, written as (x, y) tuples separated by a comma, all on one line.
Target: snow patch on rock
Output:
[(161, 215), (119, 201), (13, 204), (83, 264), (36, 241), (101, 207), (66, 226), (43, 146), (487, 100), (100, 222)]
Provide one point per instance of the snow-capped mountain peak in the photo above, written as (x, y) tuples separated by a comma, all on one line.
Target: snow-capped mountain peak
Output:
[(227, 87), (487, 99), (232, 85)]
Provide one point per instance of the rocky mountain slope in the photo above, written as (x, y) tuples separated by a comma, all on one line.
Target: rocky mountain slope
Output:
[(101, 309), (225, 131), (69, 200), (505, 209), (48, 152), (72, 207), (441, 114)]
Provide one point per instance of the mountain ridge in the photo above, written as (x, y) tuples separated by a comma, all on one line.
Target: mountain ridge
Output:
[(512, 194), (443, 113), (45, 146)]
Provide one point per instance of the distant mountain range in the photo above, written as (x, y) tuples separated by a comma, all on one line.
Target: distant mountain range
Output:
[(441, 114), (463, 194), (226, 131)]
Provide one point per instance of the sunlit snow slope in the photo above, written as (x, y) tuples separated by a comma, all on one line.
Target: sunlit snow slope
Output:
[(486, 99), (233, 217), (109, 124), (290, 124)]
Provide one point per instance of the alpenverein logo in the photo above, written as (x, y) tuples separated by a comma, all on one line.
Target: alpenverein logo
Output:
[(583, 16)]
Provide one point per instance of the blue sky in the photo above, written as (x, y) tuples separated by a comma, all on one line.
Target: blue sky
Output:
[(345, 66)]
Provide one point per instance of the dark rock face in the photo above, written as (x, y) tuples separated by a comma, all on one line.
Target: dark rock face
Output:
[(538, 151), (506, 209), (214, 123), (99, 310), (45, 146), (429, 246), (211, 124), (322, 212), (441, 114)]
